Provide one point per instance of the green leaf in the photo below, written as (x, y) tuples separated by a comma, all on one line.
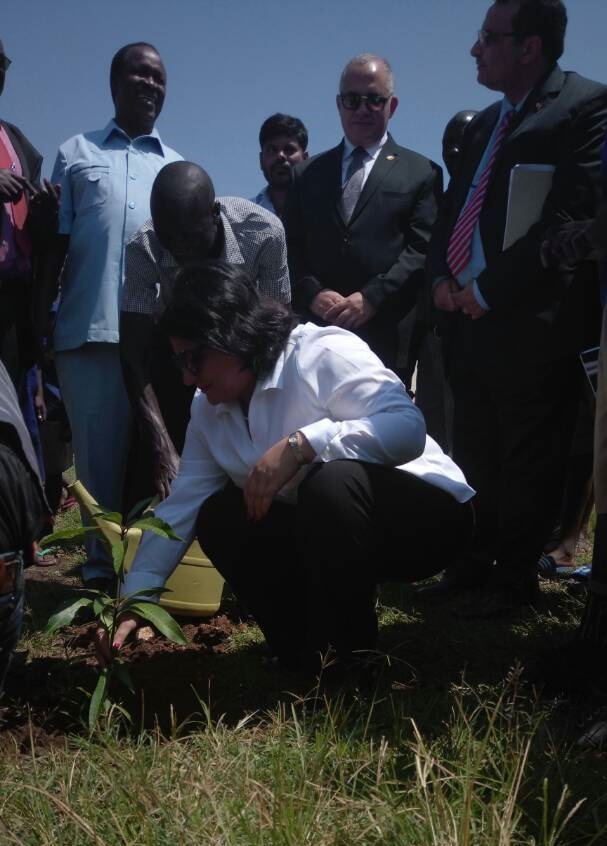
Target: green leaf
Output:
[(64, 616), (138, 509), (110, 516), (100, 603), (123, 675), (160, 619), (118, 553), (68, 536), (157, 526), (106, 617), (98, 698)]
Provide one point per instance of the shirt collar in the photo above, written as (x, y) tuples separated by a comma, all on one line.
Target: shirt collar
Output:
[(507, 105), (371, 151), (112, 128), (274, 381)]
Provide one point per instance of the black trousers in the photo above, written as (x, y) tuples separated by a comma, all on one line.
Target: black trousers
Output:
[(512, 432), (308, 572)]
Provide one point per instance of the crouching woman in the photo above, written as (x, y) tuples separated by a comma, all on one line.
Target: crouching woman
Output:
[(306, 474)]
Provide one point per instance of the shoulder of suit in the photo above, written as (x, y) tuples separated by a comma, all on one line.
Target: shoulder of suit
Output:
[(318, 160)]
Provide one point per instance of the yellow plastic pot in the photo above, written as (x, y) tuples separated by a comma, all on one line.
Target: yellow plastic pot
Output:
[(195, 586)]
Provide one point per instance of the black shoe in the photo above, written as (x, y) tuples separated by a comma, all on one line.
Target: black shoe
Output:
[(504, 601), (450, 584)]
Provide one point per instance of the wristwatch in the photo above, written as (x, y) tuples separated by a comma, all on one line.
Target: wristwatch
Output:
[(293, 441)]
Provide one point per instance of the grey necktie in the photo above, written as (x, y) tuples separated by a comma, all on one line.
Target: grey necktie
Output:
[(354, 182)]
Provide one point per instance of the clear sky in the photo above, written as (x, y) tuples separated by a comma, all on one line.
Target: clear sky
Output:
[(231, 63)]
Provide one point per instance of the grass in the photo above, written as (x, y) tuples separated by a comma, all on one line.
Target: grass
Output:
[(448, 749)]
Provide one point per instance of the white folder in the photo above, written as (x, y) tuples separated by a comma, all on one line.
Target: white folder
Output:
[(529, 187)]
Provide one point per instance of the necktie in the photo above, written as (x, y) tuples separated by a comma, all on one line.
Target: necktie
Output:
[(354, 182), (18, 208), (460, 243)]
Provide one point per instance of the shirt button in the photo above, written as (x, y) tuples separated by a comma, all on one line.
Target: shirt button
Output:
[(133, 176), (131, 205)]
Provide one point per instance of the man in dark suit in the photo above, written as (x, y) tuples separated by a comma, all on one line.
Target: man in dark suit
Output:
[(358, 217), (514, 328), (20, 165)]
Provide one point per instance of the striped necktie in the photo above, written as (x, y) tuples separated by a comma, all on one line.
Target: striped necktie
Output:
[(460, 243)]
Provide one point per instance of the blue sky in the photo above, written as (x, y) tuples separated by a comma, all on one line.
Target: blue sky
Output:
[(231, 63)]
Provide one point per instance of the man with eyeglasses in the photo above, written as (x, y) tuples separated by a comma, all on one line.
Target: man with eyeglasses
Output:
[(359, 216), (513, 328)]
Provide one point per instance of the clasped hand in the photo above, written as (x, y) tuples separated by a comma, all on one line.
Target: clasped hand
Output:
[(448, 296), (348, 312)]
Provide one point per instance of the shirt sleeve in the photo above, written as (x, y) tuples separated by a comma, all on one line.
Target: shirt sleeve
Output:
[(199, 477), (140, 293), (273, 270), (368, 413), (61, 177)]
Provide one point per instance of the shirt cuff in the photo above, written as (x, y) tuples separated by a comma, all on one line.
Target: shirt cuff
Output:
[(320, 435), (479, 297)]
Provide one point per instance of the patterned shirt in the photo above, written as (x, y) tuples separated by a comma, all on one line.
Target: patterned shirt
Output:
[(254, 238)]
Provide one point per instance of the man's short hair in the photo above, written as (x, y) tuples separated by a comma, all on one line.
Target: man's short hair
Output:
[(280, 124), (366, 59), (119, 60), (546, 18)]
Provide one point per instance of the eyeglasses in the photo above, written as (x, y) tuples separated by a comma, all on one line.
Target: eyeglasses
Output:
[(5, 62), (487, 37), (189, 360), (373, 102)]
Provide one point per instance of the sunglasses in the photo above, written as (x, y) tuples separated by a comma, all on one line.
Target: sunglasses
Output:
[(189, 360), (373, 102)]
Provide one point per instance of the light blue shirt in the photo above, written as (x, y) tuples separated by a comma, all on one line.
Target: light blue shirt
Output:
[(477, 262), (106, 179)]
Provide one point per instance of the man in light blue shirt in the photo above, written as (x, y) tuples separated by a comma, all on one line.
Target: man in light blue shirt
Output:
[(106, 177)]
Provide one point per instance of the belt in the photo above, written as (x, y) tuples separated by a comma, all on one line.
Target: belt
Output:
[(11, 564)]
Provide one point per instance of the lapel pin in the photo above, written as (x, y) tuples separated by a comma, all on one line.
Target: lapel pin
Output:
[(539, 106), (390, 158)]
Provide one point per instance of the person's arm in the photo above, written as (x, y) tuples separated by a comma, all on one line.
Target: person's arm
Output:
[(366, 415), (517, 274), (54, 250), (272, 266), (305, 287), (400, 283), (136, 333), (198, 478)]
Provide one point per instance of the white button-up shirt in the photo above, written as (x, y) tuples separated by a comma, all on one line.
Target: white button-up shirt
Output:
[(327, 384)]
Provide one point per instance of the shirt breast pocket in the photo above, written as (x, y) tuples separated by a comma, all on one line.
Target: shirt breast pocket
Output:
[(90, 186)]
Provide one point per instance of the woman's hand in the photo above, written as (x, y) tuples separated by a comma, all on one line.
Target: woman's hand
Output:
[(274, 469), (127, 624)]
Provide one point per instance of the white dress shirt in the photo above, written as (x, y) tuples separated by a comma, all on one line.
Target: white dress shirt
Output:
[(328, 385)]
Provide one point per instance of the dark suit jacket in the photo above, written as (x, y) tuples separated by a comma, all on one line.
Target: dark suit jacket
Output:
[(381, 251), (535, 313), (30, 158)]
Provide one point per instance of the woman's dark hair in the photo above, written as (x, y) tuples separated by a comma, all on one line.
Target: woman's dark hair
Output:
[(216, 305)]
